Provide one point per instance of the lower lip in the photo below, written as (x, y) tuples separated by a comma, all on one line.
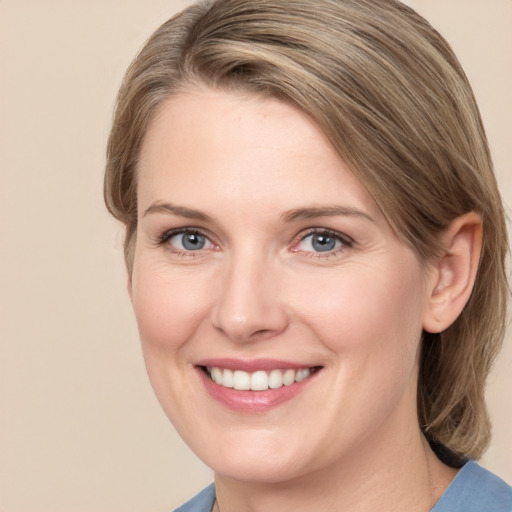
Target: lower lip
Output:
[(253, 401)]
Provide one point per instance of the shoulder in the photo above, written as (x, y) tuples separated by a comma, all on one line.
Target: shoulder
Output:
[(475, 489), (202, 502)]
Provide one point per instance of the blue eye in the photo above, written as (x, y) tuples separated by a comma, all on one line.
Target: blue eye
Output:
[(189, 241), (321, 242)]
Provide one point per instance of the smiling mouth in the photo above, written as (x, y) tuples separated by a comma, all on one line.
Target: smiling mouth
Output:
[(260, 380)]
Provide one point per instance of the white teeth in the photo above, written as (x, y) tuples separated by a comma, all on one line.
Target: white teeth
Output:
[(217, 375), (289, 377), (242, 380), (302, 374), (275, 379), (257, 381), (228, 379)]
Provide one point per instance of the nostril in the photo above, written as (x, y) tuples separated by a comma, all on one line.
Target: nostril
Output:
[(246, 329)]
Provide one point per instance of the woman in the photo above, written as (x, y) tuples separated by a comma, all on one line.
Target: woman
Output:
[(315, 246)]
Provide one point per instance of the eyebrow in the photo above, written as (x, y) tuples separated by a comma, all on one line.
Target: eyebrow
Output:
[(323, 211), (181, 211), (289, 216)]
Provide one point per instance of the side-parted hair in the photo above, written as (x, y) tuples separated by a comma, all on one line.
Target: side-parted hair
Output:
[(391, 96)]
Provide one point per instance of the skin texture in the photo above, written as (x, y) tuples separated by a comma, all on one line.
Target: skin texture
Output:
[(239, 169)]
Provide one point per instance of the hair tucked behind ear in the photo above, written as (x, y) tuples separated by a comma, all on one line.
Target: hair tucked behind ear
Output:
[(388, 91)]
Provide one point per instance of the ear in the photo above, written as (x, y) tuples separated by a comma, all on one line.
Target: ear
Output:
[(454, 273)]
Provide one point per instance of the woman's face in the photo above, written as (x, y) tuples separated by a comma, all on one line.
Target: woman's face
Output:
[(261, 260)]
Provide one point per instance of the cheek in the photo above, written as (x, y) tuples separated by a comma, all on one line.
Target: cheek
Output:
[(168, 306), (370, 314), (371, 324)]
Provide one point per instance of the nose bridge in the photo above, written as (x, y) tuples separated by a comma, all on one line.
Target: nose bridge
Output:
[(248, 305)]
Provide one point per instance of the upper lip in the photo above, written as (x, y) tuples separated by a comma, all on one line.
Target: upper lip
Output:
[(253, 365)]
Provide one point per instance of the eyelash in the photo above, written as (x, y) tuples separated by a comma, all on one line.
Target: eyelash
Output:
[(164, 240), (345, 241)]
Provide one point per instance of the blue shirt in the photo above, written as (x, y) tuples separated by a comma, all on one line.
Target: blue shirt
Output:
[(474, 489)]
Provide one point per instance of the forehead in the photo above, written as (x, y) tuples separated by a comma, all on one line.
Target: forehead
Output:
[(229, 125), (216, 146)]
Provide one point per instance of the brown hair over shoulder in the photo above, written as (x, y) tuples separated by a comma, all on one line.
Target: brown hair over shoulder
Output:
[(387, 90)]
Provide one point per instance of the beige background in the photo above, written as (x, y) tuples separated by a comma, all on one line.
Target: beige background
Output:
[(80, 429)]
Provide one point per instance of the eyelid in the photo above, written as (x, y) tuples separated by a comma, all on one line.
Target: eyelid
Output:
[(178, 231), (345, 240), (167, 235)]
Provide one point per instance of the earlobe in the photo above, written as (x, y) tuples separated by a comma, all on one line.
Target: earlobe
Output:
[(454, 273)]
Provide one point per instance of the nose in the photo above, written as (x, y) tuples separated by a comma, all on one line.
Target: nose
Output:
[(249, 305)]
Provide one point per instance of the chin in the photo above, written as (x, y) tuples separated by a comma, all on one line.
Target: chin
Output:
[(257, 471), (258, 461)]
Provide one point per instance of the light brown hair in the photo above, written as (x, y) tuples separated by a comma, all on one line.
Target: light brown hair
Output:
[(387, 90)]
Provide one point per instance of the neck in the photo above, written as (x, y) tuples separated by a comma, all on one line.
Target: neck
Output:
[(402, 476)]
